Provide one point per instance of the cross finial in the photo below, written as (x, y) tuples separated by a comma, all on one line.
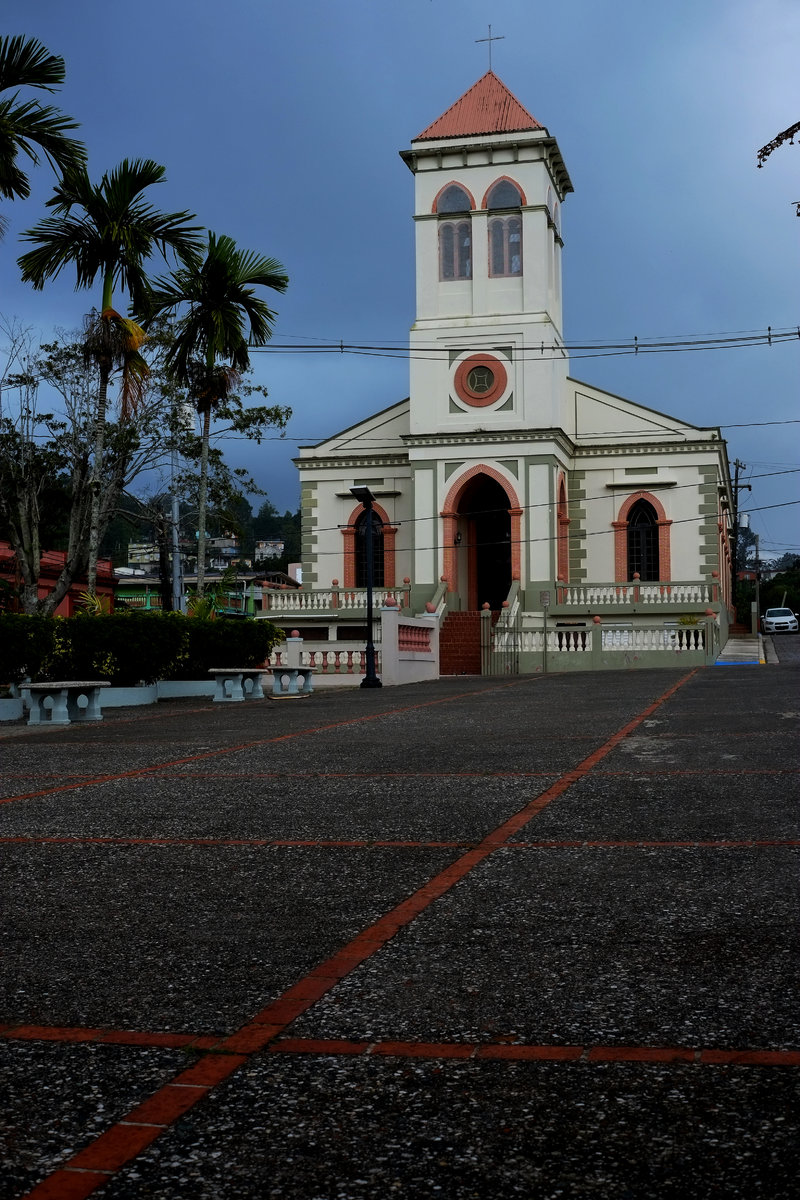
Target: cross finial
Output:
[(490, 39)]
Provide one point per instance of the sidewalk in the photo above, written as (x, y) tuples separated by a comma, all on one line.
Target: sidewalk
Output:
[(511, 938), (746, 650)]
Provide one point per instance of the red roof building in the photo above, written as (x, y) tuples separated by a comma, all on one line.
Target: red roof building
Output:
[(52, 565)]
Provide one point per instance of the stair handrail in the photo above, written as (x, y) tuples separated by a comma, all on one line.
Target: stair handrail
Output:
[(438, 601), (508, 613)]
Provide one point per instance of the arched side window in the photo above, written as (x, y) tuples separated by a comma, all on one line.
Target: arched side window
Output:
[(453, 199), (455, 234), (455, 250), (562, 564), (505, 233), (504, 194), (505, 246), (383, 548), (378, 574), (643, 542)]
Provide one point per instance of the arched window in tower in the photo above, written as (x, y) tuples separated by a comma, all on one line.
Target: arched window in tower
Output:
[(505, 233), (643, 542), (455, 236), (378, 572)]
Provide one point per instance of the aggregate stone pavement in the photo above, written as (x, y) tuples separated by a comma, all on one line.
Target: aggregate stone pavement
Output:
[(527, 937)]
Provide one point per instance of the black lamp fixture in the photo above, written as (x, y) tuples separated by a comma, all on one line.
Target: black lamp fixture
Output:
[(457, 540), (365, 497)]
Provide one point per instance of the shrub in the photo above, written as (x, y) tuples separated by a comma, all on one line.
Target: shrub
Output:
[(26, 644), (225, 643), (123, 648), (129, 647)]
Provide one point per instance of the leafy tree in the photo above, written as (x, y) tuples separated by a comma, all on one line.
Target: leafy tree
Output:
[(46, 468), (26, 126), (221, 316), (107, 229)]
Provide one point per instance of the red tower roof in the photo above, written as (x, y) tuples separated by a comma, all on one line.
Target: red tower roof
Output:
[(488, 107)]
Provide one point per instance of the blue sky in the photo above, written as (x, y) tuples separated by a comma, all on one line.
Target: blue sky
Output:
[(280, 125)]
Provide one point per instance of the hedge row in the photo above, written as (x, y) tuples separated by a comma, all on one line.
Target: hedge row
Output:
[(128, 648)]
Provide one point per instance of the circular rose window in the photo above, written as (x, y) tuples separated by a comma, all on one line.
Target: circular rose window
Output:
[(480, 380)]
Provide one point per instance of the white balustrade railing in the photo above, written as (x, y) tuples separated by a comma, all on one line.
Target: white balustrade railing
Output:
[(669, 638), (324, 600), (596, 595), (329, 659)]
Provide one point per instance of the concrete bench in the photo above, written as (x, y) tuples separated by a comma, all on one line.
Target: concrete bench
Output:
[(292, 681), (59, 703), (237, 683)]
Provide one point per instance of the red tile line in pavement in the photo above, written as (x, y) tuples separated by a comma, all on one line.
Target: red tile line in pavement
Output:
[(510, 1051), (26, 839), (521, 1052), (102, 1158), (283, 737), (266, 843)]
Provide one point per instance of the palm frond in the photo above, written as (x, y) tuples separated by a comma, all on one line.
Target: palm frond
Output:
[(26, 126), (117, 340), (25, 62)]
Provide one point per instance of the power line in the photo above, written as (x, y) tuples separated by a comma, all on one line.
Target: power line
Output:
[(314, 439), (553, 537), (546, 351), (586, 500)]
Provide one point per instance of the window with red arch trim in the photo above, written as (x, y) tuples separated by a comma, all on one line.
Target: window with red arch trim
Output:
[(562, 533)]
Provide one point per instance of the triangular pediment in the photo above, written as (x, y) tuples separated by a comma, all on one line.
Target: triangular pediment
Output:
[(604, 418), (383, 431)]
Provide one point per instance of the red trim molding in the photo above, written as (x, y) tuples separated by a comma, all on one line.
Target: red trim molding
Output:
[(453, 183), (349, 547), (620, 527), (562, 532), (501, 179), (480, 399), (449, 515)]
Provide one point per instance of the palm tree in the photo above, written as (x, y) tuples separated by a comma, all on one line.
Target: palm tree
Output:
[(107, 229), (223, 318), (27, 125)]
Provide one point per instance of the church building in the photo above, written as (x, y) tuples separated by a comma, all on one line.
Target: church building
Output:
[(588, 525)]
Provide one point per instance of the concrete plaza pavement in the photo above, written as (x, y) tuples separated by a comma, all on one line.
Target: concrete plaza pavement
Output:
[(526, 937)]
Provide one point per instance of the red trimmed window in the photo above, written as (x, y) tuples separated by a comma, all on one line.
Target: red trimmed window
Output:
[(505, 233), (455, 236), (378, 575), (505, 246), (643, 542), (455, 250)]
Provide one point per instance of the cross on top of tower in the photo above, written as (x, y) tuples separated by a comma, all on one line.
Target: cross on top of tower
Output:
[(490, 39)]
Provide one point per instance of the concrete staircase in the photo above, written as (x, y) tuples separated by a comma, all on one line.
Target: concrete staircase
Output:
[(460, 644)]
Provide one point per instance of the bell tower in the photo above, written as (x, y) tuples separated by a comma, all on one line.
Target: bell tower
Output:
[(486, 343)]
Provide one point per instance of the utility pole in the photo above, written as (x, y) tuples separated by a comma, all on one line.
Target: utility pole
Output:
[(737, 487), (757, 616)]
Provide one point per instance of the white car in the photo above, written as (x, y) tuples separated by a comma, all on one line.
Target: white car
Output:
[(779, 620)]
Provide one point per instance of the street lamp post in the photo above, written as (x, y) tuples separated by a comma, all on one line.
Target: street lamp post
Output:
[(366, 497)]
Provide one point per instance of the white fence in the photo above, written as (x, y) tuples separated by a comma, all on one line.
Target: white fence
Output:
[(406, 651), (594, 595)]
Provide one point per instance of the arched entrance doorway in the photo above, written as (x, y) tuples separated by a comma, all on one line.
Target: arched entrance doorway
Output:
[(483, 540)]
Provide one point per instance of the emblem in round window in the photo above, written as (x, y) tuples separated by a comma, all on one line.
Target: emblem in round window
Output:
[(480, 380)]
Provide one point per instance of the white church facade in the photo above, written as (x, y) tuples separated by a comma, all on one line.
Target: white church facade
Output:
[(589, 525)]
